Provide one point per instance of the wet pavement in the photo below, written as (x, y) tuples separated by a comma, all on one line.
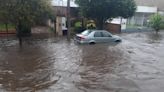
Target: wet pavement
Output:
[(49, 64)]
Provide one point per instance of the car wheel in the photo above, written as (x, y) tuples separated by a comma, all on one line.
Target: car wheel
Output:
[(118, 41), (92, 43)]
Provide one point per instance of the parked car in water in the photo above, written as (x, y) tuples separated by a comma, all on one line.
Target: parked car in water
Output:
[(96, 36)]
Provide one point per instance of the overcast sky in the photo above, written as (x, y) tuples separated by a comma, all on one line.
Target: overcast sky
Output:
[(62, 3)]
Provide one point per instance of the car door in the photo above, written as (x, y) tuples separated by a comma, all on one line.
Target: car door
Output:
[(98, 37), (107, 37)]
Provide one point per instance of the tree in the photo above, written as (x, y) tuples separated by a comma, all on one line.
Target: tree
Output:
[(156, 22), (101, 10), (162, 25), (24, 13), (4, 14)]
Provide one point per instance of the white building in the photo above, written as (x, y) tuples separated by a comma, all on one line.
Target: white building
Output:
[(142, 15), (146, 8)]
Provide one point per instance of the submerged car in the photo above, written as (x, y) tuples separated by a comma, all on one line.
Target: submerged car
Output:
[(96, 36)]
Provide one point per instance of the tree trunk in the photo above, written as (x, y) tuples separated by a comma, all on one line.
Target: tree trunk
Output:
[(6, 24), (156, 31), (55, 33), (100, 23), (20, 41), (19, 34)]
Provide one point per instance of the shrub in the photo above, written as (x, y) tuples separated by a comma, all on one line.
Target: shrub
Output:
[(156, 22)]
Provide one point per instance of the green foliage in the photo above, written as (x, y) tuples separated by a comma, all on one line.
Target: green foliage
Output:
[(102, 10), (24, 11), (156, 22), (162, 25), (3, 26)]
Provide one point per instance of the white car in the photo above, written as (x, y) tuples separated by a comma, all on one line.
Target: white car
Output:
[(96, 36)]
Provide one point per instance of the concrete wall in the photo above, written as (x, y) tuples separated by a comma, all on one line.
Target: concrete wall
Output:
[(60, 25)]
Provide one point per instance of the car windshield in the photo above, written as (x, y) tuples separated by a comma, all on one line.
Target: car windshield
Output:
[(110, 34), (87, 32)]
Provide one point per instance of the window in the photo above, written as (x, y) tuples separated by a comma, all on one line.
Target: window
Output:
[(87, 32), (98, 34), (106, 34)]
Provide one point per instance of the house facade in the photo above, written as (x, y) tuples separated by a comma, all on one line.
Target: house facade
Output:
[(142, 15), (146, 8), (60, 11), (152, 3)]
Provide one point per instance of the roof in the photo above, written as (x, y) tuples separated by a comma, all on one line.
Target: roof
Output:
[(151, 3), (146, 9), (63, 3)]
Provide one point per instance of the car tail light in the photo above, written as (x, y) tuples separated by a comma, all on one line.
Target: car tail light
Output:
[(82, 38)]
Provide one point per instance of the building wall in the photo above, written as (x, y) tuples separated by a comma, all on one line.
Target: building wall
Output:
[(113, 28), (151, 3), (161, 12), (59, 26), (140, 19), (60, 11), (120, 21), (142, 15), (146, 9), (60, 15)]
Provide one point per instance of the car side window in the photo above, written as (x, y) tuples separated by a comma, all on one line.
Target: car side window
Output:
[(98, 34), (106, 34)]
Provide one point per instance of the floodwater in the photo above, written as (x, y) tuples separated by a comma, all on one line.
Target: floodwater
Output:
[(49, 64)]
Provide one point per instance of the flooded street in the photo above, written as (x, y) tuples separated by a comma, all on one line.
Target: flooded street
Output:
[(48, 64)]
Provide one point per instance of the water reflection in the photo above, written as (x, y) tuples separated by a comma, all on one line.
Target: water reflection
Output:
[(154, 38), (26, 69), (97, 66), (50, 64)]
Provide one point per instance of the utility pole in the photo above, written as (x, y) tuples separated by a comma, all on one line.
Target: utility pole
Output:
[(68, 20)]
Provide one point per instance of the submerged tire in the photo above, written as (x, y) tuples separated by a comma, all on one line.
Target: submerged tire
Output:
[(92, 43), (118, 41)]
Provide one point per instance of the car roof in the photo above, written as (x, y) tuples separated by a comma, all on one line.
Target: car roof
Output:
[(94, 30)]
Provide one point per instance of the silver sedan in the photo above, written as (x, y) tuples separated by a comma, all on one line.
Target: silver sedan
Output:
[(96, 36)]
